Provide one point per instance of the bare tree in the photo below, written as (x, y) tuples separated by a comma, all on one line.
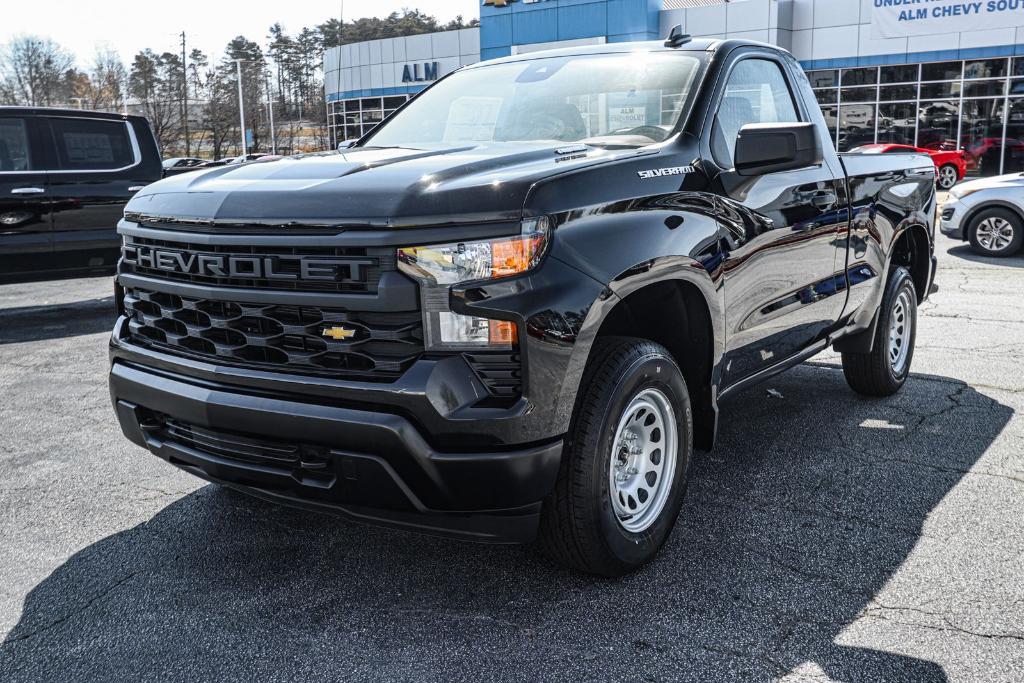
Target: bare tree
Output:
[(33, 71), (155, 83), (106, 80)]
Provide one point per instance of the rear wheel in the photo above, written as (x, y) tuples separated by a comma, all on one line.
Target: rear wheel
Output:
[(624, 468), (948, 177), (884, 370), (996, 232)]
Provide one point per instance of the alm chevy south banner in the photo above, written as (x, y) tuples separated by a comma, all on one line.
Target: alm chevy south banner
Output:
[(900, 18)]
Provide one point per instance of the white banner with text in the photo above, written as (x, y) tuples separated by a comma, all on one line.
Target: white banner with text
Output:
[(900, 18)]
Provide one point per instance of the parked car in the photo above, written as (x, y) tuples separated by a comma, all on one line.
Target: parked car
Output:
[(65, 177), (182, 162), (494, 320), (178, 165), (988, 213), (950, 165)]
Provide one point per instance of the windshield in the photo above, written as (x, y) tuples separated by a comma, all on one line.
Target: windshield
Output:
[(628, 100)]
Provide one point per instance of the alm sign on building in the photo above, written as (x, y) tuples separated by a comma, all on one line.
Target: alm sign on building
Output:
[(900, 18)]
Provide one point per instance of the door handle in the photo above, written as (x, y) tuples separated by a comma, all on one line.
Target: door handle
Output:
[(825, 200), (28, 190), (135, 188)]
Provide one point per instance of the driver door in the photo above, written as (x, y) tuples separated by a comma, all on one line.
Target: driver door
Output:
[(786, 229)]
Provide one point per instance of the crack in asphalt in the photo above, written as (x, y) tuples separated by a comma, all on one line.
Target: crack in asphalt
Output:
[(10, 640), (874, 611)]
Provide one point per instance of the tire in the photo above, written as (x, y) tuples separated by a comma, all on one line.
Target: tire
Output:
[(630, 387), (996, 232), (948, 176), (884, 370)]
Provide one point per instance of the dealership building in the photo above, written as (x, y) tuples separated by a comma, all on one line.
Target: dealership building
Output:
[(941, 74)]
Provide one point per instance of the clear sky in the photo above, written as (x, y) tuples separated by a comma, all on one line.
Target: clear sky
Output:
[(131, 25)]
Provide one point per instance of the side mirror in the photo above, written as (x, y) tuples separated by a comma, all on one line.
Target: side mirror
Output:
[(763, 148), (346, 144)]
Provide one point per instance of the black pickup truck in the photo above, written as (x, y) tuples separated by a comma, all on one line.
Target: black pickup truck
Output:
[(65, 177), (511, 311)]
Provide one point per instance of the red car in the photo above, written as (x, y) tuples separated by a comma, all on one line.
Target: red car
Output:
[(950, 165)]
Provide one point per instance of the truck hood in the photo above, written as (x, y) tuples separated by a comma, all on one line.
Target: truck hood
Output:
[(370, 186)]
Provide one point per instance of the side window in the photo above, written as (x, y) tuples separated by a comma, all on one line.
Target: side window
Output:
[(755, 93), (91, 145), (14, 153)]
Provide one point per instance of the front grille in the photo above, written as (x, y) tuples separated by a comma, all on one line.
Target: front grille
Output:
[(233, 446), (358, 270), (369, 347)]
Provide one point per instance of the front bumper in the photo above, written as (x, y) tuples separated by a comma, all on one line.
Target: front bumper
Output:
[(368, 465), (952, 219)]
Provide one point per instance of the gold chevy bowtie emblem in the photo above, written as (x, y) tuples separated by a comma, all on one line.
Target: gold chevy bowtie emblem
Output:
[(498, 3), (338, 333)]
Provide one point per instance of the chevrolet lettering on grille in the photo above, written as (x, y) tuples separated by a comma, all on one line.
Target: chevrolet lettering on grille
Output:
[(245, 266)]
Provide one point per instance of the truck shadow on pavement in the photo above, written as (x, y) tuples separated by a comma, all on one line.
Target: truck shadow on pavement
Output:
[(41, 323), (807, 507), (965, 252)]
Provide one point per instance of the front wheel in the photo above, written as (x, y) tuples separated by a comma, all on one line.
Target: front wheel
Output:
[(624, 469), (996, 232), (884, 370), (948, 177)]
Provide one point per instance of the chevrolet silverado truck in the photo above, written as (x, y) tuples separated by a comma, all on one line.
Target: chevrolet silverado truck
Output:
[(511, 312)]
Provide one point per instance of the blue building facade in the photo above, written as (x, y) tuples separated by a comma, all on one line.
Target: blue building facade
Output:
[(509, 24)]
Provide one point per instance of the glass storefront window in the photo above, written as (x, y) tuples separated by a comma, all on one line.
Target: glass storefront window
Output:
[(938, 91), (1013, 161), (985, 68), (823, 79), (831, 115), (351, 119), (897, 123), (889, 93), (985, 88), (867, 76), (830, 96), (981, 134), (937, 124), (859, 94), (856, 125), (904, 73), (942, 71)]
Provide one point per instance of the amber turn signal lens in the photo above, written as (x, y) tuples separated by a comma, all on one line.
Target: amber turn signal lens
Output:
[(516, 255), (503, 332)]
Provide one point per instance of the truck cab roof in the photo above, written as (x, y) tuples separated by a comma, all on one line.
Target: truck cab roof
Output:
[(694, 45), (64, 111)]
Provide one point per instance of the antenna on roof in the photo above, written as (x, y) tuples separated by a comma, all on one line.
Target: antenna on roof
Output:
[(676, 37)]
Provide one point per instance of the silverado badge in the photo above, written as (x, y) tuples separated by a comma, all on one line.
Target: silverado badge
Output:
[(338, 333)]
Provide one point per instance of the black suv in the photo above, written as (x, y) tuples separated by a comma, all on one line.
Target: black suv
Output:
[(65, 177)]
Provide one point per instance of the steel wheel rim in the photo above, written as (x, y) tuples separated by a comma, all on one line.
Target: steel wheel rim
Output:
[(948, 177), (900, 328), (995, 234), (643, 461)]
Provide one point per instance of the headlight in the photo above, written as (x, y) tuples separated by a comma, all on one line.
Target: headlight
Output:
[(960, 192), (437, 267)]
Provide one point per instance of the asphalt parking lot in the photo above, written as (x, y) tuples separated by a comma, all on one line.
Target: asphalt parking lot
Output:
[(827, 537)]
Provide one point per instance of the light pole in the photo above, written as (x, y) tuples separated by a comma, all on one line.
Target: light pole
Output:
[(270, 109), (241, 105)]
